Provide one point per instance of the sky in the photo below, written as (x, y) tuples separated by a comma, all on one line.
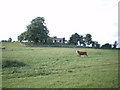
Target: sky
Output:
[(62, 17)]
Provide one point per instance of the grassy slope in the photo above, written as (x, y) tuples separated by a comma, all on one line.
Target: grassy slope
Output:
[(35, 67)]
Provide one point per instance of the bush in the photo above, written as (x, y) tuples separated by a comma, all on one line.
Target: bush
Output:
[(106, 46)]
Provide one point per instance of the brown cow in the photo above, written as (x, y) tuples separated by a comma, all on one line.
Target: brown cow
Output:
[(3, 48), (81, 53)]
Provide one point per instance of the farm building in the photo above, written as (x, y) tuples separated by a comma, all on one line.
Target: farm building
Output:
[(57, 40)]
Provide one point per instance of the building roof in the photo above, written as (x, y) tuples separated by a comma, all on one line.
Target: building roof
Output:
[(55, 38)]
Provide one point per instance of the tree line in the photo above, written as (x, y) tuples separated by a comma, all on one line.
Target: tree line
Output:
[(37, 32), (9, 40), (87, 40), (83, 40)]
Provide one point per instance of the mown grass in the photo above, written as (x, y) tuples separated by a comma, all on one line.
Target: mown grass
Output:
[(49, 67)]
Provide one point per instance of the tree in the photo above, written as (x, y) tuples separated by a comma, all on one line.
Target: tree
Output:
[(10, 40), (81, 39), (106, 46), (4, 41), (36, 31), (115, 44), (24, 36), (95, 44), (88, 39), (20, 38), (74, 39), (49, 41), (64, 40)]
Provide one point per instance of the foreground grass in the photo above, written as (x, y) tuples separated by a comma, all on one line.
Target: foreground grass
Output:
[(36, 67)]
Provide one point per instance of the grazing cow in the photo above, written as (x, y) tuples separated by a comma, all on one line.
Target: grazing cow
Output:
[(81, 53)]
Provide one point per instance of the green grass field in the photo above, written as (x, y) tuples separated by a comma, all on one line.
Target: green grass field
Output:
[(49, 67)]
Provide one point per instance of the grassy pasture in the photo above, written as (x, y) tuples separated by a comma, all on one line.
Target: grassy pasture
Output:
[(49, 67)]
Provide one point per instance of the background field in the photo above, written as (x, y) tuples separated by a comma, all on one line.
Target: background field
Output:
[(49, 67)]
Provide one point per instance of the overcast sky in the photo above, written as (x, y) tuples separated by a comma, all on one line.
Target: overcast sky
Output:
[(62, 17)]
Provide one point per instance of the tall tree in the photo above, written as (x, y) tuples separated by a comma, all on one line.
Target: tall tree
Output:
[(88, 39), (74, 39), (115, 44), (10, 40), (36, 31), (64, 40)]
